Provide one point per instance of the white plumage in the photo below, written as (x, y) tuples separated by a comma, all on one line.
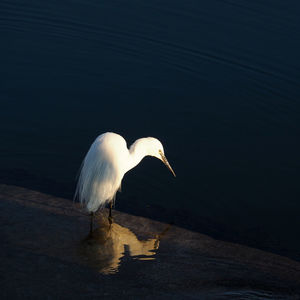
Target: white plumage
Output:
[(105, 164)]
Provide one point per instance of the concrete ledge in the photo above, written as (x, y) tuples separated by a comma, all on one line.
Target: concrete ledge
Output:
[(46, 252)]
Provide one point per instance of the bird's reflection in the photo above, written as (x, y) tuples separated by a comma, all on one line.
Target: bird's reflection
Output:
[(108, 244)]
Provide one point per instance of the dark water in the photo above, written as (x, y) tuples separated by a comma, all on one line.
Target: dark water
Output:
[(216, 81)]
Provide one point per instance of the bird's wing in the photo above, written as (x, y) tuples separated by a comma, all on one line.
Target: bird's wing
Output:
[(100, 176)]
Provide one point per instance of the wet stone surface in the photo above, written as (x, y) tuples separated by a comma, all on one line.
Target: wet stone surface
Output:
[(47, 253)]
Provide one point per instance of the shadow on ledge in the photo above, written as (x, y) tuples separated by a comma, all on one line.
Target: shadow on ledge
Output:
[(110, 243)]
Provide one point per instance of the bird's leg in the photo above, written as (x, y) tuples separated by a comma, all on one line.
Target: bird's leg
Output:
[(110, 219), (92, 222)]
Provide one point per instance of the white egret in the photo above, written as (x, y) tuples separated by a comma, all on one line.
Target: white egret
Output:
[(105, 164)]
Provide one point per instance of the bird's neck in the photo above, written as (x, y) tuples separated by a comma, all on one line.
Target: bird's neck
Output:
[(137, 151)]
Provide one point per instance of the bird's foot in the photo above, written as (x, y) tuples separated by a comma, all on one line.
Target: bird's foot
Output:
[(110, 220)]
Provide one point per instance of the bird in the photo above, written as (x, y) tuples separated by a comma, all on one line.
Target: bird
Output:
[(105, 165)]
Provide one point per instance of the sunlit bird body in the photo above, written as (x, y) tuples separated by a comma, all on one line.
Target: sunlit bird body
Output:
[(105, 165)]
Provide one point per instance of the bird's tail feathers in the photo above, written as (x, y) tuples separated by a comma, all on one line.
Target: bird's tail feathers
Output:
[(96, 184)]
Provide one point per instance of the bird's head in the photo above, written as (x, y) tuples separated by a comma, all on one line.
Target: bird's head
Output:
[(156, 149)]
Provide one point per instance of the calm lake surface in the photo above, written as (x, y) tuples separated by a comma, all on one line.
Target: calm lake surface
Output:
[(216, 81)]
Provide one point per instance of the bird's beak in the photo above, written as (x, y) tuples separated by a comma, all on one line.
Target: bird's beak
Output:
[(165, 161)]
